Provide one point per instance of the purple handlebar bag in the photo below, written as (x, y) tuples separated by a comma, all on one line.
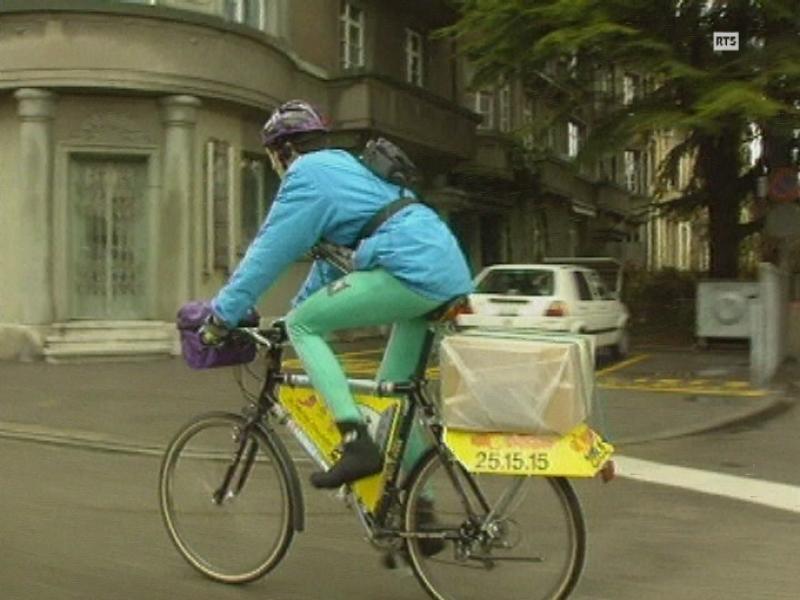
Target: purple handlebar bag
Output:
[(233, 351)]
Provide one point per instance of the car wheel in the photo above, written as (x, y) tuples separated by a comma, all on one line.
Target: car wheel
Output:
[(623, 346)]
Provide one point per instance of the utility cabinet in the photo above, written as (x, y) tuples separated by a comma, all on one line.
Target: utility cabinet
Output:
[(722, 308)]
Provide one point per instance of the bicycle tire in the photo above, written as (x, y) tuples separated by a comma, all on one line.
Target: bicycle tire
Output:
[(193, 469), (430, 487)]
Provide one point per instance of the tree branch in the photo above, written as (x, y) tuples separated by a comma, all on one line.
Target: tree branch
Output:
[(745, 230)]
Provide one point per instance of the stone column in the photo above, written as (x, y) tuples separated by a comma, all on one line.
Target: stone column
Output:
[(176, 268), (36, 109)]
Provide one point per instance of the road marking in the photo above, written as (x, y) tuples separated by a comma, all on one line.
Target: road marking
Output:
[(360, 364), (755, 491), (650, 385), (736, 384), (623, 364)]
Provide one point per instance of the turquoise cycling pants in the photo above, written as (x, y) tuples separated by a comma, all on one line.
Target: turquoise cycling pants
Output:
[(362, 299)]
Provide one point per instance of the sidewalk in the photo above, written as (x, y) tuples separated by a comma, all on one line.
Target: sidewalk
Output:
[(138, 406)]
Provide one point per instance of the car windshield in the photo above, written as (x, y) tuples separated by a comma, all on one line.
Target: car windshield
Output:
[(518, 282)]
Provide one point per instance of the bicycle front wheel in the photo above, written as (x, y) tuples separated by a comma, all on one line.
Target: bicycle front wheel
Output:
[(225, 498), (522, 538)]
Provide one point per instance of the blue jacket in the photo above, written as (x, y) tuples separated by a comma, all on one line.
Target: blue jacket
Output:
[(330, 195)]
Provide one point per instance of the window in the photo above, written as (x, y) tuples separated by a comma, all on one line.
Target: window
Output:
[(584, 292), (605, 81), (630, 88), (572, 64), (527, 120), (652, 165), (415, 57), (259, 185), (684, 245), (683, 173), (219, 206), (483, 104), (573, 138), (504, 121), (352, 36), (631, 170), (596, 283), (551, 135), (247, 12), (608, 168), (518, 282)]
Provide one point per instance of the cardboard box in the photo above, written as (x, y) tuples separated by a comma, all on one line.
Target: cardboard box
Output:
[(520, 382)]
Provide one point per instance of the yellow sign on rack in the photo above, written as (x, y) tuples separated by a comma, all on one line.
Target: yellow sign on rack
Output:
[(580, 453), (311, 414)]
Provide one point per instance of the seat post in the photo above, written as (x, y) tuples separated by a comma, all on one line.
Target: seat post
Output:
[(425, 353)]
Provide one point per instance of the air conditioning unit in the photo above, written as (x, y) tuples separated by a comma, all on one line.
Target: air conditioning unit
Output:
[(723, 308)]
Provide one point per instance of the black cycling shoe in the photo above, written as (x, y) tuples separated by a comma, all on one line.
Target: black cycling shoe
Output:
[(360, 458)]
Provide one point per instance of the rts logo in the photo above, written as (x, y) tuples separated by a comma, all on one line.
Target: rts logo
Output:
[(726, 41)]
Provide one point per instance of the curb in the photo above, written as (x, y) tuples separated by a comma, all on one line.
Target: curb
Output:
[(75, 439), (773, 407)]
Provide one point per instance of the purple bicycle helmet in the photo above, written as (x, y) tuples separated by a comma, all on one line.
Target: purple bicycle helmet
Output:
[(290, 118)]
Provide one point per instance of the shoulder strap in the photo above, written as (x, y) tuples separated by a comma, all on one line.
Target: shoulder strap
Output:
[(384, 214)]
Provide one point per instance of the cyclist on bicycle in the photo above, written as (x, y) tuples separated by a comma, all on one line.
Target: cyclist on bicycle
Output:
[(408, 267)]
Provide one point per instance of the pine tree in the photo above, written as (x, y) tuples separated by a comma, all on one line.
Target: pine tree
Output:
[(710, 98)]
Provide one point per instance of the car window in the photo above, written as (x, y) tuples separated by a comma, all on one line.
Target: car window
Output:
[(584, 292), (518, 282), (596, 283)]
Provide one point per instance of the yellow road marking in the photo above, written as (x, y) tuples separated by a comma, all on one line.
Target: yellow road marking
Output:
[(623, 364), (362, 352), (718, 391), (357, 364), (736, 384)]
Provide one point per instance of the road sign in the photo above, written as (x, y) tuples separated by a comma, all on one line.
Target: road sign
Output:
[(783, 184)]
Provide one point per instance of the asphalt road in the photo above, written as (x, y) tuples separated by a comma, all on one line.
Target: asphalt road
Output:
[(82, 523)]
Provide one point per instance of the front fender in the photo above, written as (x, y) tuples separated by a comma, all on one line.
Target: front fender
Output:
[(295, 489)]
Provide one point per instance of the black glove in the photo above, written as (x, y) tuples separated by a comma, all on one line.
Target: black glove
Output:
[(213, 332)]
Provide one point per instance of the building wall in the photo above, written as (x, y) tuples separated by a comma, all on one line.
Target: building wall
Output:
[(310, 39), (155, 55)]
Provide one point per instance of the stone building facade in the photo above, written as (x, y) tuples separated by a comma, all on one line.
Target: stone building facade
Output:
[(132, 178)]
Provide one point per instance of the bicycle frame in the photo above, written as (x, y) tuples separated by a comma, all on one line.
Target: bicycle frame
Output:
[(413, 403)]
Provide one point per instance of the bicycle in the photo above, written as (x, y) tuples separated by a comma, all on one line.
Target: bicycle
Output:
[(469, 517)]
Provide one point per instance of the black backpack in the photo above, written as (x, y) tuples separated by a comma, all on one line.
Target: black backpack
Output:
[(389, 162)]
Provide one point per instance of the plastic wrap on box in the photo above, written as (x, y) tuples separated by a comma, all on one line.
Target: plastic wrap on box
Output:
[(524, 383)]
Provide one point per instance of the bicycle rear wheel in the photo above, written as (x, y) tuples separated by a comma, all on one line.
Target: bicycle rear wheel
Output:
[(534, 547), (225, 498)]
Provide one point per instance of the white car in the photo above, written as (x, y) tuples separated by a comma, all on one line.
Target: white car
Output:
[(556, 295)]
